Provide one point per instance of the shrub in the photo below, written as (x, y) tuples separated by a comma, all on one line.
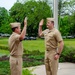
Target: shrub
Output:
[(68, 54), (4, 68), (4, 71), (33, 58)]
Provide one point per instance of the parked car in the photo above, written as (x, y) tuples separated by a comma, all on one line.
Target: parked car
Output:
[(64, 37), (29, 38), (4, 34), (33, 38), (70, 37), (0, 34)]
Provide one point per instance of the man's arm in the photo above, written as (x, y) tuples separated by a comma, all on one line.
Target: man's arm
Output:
[(61, 45), (23, 33), (40, 27)]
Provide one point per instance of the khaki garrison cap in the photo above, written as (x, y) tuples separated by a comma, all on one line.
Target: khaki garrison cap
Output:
[(50, 19), (15, 24)]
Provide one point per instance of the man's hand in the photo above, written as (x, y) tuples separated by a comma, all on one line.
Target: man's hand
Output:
[(40, 27), (41, 22), (23, 33), (25, 21), (56, 56)]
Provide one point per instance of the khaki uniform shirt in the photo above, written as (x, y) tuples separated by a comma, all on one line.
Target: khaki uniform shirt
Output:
[(15, 45), (52, 37)]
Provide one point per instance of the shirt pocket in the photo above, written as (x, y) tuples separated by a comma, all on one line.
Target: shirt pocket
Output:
[(50, 37)]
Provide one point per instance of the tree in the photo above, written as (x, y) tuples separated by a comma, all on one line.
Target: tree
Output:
[(70, 6), (66, 7), (3, 15), (72, 24), (34, 10), (16, 12), (5, 20), (66, 17), (65, 25)]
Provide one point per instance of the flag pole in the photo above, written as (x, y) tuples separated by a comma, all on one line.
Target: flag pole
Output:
[(55, 13)]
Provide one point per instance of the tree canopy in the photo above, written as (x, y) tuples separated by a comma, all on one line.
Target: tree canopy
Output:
[(34, 10)]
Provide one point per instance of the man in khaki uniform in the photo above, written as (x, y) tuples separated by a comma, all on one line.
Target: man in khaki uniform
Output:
[(15, 46), (52, 53)]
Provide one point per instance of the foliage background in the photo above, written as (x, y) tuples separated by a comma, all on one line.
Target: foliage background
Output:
[(35, 11)]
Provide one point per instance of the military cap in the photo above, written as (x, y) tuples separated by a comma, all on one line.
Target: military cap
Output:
[(50, 19), (15, 24)]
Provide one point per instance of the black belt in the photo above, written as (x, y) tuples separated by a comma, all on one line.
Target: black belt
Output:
[(16, 55)]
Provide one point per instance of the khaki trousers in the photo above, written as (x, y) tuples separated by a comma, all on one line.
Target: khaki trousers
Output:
[(16, 65), (50, 63)]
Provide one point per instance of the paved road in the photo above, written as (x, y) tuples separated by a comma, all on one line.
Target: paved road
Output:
[(64, 69)]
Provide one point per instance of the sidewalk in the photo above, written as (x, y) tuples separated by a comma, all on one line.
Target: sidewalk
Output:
[(64, 69)]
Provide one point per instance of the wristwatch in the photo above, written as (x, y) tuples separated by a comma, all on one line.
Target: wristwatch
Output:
[(58, 53)]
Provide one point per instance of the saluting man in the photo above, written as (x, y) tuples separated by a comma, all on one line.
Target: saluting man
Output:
[(53, 51), (16, 48)]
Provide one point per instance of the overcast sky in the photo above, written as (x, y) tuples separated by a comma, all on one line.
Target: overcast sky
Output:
[(7, 3)]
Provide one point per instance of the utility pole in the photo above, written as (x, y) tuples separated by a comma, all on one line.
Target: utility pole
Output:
[(55, 13)]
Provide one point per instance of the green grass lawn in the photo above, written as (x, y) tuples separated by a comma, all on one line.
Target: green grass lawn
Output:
[(69, 42), (34, 44), (4, 41)]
